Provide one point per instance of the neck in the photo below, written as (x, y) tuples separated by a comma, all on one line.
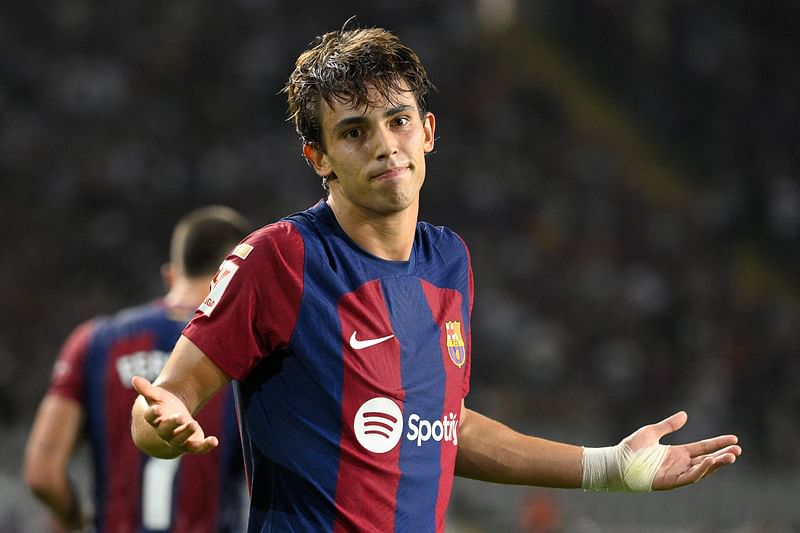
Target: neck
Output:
[(187, 293), (388, 236)]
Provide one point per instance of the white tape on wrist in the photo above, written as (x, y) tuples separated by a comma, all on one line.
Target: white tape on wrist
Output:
[(616, 468)]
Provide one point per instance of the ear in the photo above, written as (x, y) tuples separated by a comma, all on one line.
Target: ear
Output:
[(317, 159), (429, 127), (167, 275)]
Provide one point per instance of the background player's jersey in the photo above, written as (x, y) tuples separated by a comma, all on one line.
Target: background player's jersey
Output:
[(135, 492), (351, 372)]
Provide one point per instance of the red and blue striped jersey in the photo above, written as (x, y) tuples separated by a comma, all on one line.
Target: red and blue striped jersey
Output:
[(350, 373), (135, 492)]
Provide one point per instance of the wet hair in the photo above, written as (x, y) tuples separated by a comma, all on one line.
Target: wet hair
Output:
[(204, 237), (342, 66)]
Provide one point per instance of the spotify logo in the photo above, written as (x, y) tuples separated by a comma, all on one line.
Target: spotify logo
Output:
[(378, 425)]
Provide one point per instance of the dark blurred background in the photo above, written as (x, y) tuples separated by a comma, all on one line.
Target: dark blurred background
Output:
[(626, 174)]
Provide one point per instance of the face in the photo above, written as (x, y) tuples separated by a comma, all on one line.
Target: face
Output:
[(374, 157)]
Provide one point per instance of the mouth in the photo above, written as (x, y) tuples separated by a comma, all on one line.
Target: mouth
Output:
[(389, 174)]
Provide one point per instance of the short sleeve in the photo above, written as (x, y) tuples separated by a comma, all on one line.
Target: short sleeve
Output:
[(68, 376), (252, 307)]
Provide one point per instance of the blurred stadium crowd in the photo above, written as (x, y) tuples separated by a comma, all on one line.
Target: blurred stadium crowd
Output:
[(627, 178)]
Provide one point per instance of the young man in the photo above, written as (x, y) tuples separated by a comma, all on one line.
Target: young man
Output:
[(347, 330), (91, 393)]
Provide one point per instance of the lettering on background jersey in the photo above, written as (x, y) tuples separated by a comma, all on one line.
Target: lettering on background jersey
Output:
[(146, 364), (218, 285), (378, 426)]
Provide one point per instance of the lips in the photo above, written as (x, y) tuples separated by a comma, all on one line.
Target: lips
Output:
[(389, 174)]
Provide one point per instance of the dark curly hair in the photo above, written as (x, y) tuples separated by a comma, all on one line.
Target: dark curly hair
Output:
[(340, 67)]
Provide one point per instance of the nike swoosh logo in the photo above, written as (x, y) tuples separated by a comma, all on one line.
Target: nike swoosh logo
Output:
[(360, 345)]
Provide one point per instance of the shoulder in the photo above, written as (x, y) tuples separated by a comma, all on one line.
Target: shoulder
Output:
[(441, 237), (282, 231), (438, 232), (280, 241), (80, 337), (66, 378), (267, 259), (147, 315)]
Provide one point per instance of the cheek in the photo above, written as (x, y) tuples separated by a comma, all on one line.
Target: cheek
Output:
[(346, 170)]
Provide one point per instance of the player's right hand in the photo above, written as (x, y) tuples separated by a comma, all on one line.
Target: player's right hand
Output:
[(171, 420)]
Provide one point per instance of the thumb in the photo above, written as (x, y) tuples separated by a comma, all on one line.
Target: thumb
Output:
[(144, 387), (671, 424)]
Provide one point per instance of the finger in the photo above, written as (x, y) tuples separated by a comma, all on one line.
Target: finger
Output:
[(708, 466), (182, 433), (166, 425), (706, 446), (190, 438), (152, 415), (204, 446), (726, 455), (690, 475), (168, 420), (712, 464), (670, 424), (697, 472)]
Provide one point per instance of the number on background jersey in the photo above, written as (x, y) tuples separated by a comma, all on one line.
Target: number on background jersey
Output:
[(157, 492)]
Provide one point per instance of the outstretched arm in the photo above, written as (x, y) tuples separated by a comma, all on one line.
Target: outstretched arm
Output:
[(491, 451), (162, 422)]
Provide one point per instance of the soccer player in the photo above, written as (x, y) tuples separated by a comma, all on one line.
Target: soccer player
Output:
[(90, 396), (346, 330)]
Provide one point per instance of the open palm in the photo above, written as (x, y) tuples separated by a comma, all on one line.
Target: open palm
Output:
[(684, 464)]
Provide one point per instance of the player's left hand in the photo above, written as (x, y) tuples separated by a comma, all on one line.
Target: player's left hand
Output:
[(684, 464)]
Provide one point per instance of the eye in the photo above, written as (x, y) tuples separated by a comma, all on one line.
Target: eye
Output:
[(352, 133), (401, 120)]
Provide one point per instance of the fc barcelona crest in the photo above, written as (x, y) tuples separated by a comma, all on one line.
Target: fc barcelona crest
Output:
[(455, 343)]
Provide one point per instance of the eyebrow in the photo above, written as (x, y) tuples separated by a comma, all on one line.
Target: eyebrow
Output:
[(359, 119)]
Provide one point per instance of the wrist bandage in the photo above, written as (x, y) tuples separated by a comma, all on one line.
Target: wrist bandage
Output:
[(617, 468)]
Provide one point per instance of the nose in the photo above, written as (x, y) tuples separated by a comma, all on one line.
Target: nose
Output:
[(385, 143)]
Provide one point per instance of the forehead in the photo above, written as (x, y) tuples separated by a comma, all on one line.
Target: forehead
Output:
[(376, 105)]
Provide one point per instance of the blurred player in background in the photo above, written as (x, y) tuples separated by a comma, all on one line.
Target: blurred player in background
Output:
[(90, 396), (347, 330)]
